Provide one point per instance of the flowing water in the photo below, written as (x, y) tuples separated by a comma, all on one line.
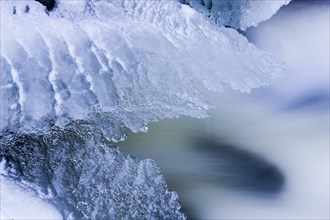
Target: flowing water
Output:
[(263, 155)]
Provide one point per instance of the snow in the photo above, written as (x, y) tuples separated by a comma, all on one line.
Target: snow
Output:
[(118, 64), (74, 78), (17, 202)]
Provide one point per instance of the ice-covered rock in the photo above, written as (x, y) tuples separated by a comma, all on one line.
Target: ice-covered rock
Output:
[(238, 14), (117, 64), (86, 178)]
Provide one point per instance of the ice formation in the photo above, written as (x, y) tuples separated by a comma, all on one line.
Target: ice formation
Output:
[(117, 64), (239, 14), (75, 77), (86, 178)]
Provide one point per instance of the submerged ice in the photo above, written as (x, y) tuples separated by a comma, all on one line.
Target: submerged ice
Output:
[(86, 178), (74, 78), (238, 14)]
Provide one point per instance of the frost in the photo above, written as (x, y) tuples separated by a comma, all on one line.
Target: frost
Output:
[(238, 14), (118, 64), (86, 178)]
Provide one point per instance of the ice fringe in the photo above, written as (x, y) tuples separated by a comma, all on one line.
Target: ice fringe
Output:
[(117, 64)]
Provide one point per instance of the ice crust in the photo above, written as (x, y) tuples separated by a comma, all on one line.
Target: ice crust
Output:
[(86, 178), (238, 14), (118, 64)]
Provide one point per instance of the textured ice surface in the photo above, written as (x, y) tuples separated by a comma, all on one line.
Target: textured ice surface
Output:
[(239, 14), (117, 64), (86, 178)]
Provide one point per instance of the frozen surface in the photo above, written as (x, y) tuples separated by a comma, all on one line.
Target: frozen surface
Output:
[(238, 14), (117, 64), (85, 178)]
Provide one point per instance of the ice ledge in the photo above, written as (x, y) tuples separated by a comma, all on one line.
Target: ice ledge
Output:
[(118, 64)]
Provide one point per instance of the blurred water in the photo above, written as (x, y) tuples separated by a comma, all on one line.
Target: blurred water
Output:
[(263, 155)]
